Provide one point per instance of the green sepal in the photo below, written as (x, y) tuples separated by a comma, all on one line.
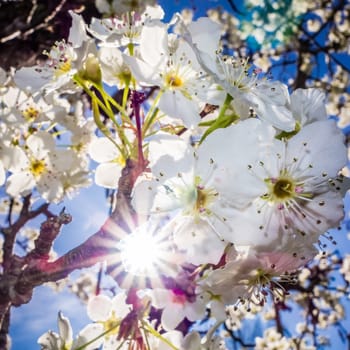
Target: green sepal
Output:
[(286, 135)]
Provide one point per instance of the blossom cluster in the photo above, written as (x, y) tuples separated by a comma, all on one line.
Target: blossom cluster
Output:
[(241, 177)]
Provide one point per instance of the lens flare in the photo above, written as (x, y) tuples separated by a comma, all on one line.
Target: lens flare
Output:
[(140, 253), (143, 257)]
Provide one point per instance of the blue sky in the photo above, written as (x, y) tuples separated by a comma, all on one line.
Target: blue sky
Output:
[(89, 210)]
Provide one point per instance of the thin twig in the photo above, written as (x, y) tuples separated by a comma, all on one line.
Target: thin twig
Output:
[(24, 34)]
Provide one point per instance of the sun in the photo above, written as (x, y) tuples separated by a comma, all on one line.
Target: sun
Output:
[(140, 254), (143, 257)]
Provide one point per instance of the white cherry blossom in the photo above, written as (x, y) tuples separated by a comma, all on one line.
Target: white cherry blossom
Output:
[(64, 60), (193, 341), (172, 66), (272, 340), (188, 193), (285, 188), (105, 152), (268, 99), (179, 300), (115, 71), (54, 341), (39, 166), (107, 314), (64, 339), (252, 275), (20, 110), (124, 29)]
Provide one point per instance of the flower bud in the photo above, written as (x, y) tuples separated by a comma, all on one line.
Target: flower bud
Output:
[(91, 69)]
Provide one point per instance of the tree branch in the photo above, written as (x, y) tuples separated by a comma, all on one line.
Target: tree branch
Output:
[(23, 274)]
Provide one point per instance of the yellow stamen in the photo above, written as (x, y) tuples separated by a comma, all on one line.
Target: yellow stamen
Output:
[(37, 167), (30, 114)]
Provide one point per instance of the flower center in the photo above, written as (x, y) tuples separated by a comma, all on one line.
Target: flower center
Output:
[(120, 160), (37, 167), (30, 114), (260, 278), (178, 296), (60, 58), (281, 189), (204, 197), (236, 73), (173, 80), (111, 325), (63, 68)]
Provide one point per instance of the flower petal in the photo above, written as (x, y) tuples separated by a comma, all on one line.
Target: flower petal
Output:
[(107, 175), (99, 308)]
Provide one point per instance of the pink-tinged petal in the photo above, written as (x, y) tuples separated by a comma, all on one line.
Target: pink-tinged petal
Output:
[(99, 308), (107, 175), (294, 254)]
